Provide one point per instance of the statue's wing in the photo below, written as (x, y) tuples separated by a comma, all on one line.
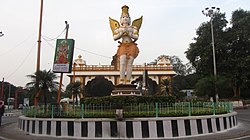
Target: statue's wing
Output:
[(137, 23), (114, 24)]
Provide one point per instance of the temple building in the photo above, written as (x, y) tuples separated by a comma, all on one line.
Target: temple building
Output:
[(157, 72)]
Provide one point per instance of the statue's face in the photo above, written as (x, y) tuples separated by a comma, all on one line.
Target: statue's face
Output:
[(125, 19)]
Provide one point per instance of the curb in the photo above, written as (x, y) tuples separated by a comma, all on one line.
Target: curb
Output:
[(9, 114), (135, 128)]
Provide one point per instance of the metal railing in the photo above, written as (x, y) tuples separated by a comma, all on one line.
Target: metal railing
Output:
[(130, 110)]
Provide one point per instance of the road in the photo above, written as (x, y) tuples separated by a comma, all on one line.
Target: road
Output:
[(244, 114), (9, 119), (241, 132)]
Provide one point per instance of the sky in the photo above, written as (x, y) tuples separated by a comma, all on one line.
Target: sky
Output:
[(168, 28)]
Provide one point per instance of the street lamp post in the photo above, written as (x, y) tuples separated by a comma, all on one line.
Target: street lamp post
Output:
[(210, 12)]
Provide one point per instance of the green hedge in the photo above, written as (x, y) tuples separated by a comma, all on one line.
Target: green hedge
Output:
[(128, 100), (125, 114)]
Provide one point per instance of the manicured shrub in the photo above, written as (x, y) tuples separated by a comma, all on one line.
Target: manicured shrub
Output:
[(121, 100)]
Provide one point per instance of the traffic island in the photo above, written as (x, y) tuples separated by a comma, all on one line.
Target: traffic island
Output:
[(128, 128)]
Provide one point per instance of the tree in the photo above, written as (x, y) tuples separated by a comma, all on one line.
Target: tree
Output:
[(205, 87), (99, 87), (200, 53), (237, 51), (9, 90), (178, 66), (45, 83), (75, 90), (185, 78), (180, 82), (151, 85), (232, 49), (164, 84)]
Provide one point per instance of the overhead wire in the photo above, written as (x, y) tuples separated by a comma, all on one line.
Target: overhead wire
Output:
[(94, 53), (52, 39), (19, 66), (47, 41), (19, 44)]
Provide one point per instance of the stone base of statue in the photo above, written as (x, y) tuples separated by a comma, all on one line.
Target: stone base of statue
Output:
[(126, 90)]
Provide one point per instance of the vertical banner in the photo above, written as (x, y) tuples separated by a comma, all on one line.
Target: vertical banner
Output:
[(63, 55)]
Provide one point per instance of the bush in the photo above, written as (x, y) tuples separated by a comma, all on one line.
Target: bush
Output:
[(121, 100)]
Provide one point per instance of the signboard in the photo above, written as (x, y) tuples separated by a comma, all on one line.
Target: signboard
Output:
[(63, 55), (26, 102), (189, 93)]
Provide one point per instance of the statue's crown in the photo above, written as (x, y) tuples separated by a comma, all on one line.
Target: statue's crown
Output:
[(125, 10)]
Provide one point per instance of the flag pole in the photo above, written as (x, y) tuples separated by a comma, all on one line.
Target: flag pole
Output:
[(38, 52)]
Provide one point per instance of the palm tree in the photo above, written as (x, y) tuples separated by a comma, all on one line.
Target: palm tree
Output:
[(44, 83), (74, 89), (164, 89)]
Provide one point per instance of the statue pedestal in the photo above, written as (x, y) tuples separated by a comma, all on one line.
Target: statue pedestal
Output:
[(126, 90)]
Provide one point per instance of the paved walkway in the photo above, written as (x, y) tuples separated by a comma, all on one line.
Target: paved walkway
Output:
[(12, 112), (12, 132)]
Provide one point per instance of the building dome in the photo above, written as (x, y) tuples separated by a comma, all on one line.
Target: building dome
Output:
[(79, 61), (163, 61)]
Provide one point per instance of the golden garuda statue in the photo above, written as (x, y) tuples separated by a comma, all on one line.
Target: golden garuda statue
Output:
[(127, 49)]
